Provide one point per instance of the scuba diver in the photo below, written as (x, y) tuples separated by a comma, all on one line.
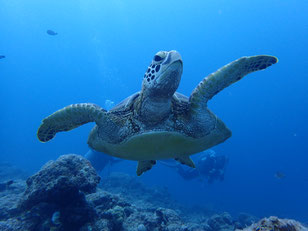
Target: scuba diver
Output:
[(209, 166), (212, 166), (100, 161)]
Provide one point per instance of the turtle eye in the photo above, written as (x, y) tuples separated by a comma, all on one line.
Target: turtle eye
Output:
[(157, 58), (160, 56)]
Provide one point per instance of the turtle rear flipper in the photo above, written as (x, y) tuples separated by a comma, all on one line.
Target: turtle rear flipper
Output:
[(186, 160), (144, 165), (69, 118), (225, 76)]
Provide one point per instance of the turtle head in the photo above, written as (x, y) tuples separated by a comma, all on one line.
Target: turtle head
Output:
[(163, 75)]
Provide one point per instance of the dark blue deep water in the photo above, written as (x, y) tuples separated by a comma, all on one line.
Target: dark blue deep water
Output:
[(101, 52)]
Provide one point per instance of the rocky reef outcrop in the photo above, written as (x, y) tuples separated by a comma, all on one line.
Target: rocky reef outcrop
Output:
[(61, 182), (54, 197), (66, 195), (275, 224)]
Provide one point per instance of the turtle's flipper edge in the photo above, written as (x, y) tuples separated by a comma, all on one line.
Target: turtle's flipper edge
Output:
[(68, 118), (226, 76)]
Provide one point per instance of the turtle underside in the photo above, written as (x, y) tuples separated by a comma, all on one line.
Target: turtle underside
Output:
[(179, 134)]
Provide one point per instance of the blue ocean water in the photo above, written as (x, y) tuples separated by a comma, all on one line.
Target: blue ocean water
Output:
[(101, 53)]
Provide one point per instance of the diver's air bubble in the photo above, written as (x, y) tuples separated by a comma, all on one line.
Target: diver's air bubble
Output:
[(108, 104)]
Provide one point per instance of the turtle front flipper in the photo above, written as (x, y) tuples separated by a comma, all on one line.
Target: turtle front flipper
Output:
[(69, 118), (225, 76)]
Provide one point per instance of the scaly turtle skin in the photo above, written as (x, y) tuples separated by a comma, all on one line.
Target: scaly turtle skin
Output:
[(157, 122)]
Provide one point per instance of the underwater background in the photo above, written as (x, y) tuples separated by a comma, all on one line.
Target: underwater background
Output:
[(101, 52)]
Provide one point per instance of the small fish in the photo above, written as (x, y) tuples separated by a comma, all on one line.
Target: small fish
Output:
[(2, 56), (280, 175), (51, 32)]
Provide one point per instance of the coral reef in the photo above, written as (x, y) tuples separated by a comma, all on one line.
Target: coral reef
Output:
[(276, 224), (9, 197), (245, 220), (64, 195), (221, 222), (54, 197), (61, 181)]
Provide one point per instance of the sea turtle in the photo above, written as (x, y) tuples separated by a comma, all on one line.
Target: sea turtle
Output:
[(157, 122)]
